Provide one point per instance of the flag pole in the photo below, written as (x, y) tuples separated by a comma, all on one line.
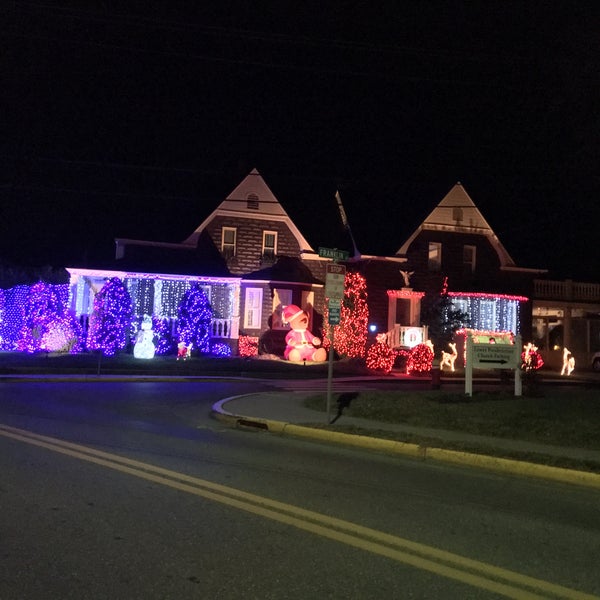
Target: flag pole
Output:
[(345, 222)]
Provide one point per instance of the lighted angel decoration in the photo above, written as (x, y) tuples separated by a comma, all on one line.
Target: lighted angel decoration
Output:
[(406, 275)]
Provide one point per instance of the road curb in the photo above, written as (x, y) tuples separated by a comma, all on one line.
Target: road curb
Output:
[(481, 461)]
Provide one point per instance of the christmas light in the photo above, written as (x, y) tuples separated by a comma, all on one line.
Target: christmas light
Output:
[(111, 319), (220, 349), (350, 336), (144, 343), (35, 319), (568, 362), (195, 317), (499, 312), (380, 357), (531, 359), (420, 359), (163, 335), (449, 358), (247, 345)]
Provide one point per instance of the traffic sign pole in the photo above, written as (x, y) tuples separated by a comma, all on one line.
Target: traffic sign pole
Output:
[(518, 381), (330, 373), (469, 367)]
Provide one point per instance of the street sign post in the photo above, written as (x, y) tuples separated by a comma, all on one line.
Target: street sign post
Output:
[(334, 281), (334, 308), (333, 253), (334, 291)]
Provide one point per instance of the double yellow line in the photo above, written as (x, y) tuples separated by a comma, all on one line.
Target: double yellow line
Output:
[(445, 564)]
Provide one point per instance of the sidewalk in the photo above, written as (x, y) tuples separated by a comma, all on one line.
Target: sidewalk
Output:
[(284, 413)]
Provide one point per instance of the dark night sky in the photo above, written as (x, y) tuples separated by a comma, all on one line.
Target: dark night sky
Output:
[(136, 122)]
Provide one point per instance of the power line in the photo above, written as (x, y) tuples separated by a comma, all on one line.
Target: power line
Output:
[(389, 50)]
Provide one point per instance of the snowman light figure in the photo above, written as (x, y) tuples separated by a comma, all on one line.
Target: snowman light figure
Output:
[(144, 345)]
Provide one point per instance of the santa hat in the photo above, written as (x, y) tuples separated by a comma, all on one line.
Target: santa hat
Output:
[(290, 312)]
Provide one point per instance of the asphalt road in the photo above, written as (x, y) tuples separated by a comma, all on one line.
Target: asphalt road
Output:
[(130, 490)]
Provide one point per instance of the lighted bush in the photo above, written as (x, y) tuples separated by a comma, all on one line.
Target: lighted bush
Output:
[(195, 318), (420, 359), (43, 321), (220, 349), (247, 345), (110, 320), (380, 357)]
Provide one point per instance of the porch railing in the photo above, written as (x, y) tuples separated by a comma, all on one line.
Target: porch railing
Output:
[(568, 290), (219, 328), (401, 336)]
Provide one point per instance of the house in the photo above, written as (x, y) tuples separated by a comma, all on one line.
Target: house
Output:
[(456, 250), (566, 314), (249, 246)]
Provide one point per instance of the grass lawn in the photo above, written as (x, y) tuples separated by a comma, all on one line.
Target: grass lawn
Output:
[(559, 417)]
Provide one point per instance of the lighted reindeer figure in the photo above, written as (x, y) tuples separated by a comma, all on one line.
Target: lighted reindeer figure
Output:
[(568, 362), (449, 358)]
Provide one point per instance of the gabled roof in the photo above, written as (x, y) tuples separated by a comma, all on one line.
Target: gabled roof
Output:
[(457, 213), (240, 202)]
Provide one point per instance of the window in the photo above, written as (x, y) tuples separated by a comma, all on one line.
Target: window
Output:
[(252, 201), (434, 260), (281, 299), (253, 308), (228, 240), (269, 245), (469, 253)]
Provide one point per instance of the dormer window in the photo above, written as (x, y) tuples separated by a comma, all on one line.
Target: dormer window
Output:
[(252, 202), (228, 241), (434, 258), (469, 254), (269, 249)]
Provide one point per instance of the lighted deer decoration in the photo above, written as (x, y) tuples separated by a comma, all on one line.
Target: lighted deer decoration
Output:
[(449, 358), (568, 362)]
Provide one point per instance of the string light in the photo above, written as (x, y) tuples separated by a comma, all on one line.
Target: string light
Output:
[(194, 319), (350, 337), (496, 312), (247, 346), (220, 350), (531, 359), (420, 359), (380, 357), (111, 318)]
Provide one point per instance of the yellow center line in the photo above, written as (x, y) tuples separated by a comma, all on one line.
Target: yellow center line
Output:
[(446, 564)]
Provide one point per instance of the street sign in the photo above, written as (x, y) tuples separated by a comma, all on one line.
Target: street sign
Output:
[(334, 281), (495, 356), (333, 253), (334, 308)]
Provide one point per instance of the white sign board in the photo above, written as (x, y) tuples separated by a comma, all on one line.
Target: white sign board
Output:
[(334, 281), (495, 356)]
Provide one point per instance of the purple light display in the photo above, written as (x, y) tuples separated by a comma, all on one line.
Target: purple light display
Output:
[(195, 318), (111, 318), (36, 319)]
